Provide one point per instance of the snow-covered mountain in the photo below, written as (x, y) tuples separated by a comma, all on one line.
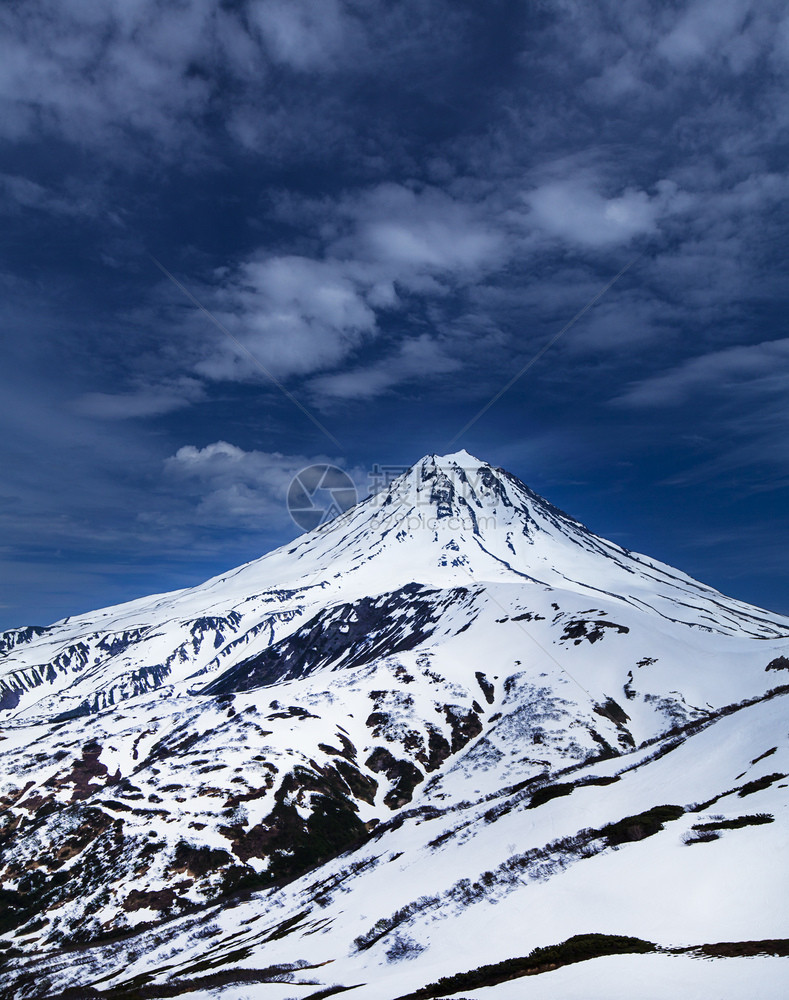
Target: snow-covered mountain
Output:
[(447, 728)]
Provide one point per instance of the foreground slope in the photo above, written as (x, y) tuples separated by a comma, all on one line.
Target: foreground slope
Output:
[(393, 751)]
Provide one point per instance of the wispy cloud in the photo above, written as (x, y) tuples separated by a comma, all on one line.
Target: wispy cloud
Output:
[(20, 193), (746, 369), (412, 360), (147, 401), (117, 75)]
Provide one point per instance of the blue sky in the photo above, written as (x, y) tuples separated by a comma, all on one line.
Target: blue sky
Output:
[(393, 206)]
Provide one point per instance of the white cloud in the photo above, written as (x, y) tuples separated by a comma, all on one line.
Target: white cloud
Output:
[(300, 315), (90, 71), (233, 487), (423, 231), (618, 81), (306, 35), (572, 210), (295, 314), (704, 27)]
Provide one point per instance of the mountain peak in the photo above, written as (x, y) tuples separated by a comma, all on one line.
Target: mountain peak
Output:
[(450, 522), (461, 458), (456, 488), (452, 519)]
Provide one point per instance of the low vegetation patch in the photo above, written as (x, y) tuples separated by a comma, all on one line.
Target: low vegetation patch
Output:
[(549, 792), (142, 989), (579, 948), (734, 824), (743, 949), (642, 825), (703, 833), (759, 784)]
